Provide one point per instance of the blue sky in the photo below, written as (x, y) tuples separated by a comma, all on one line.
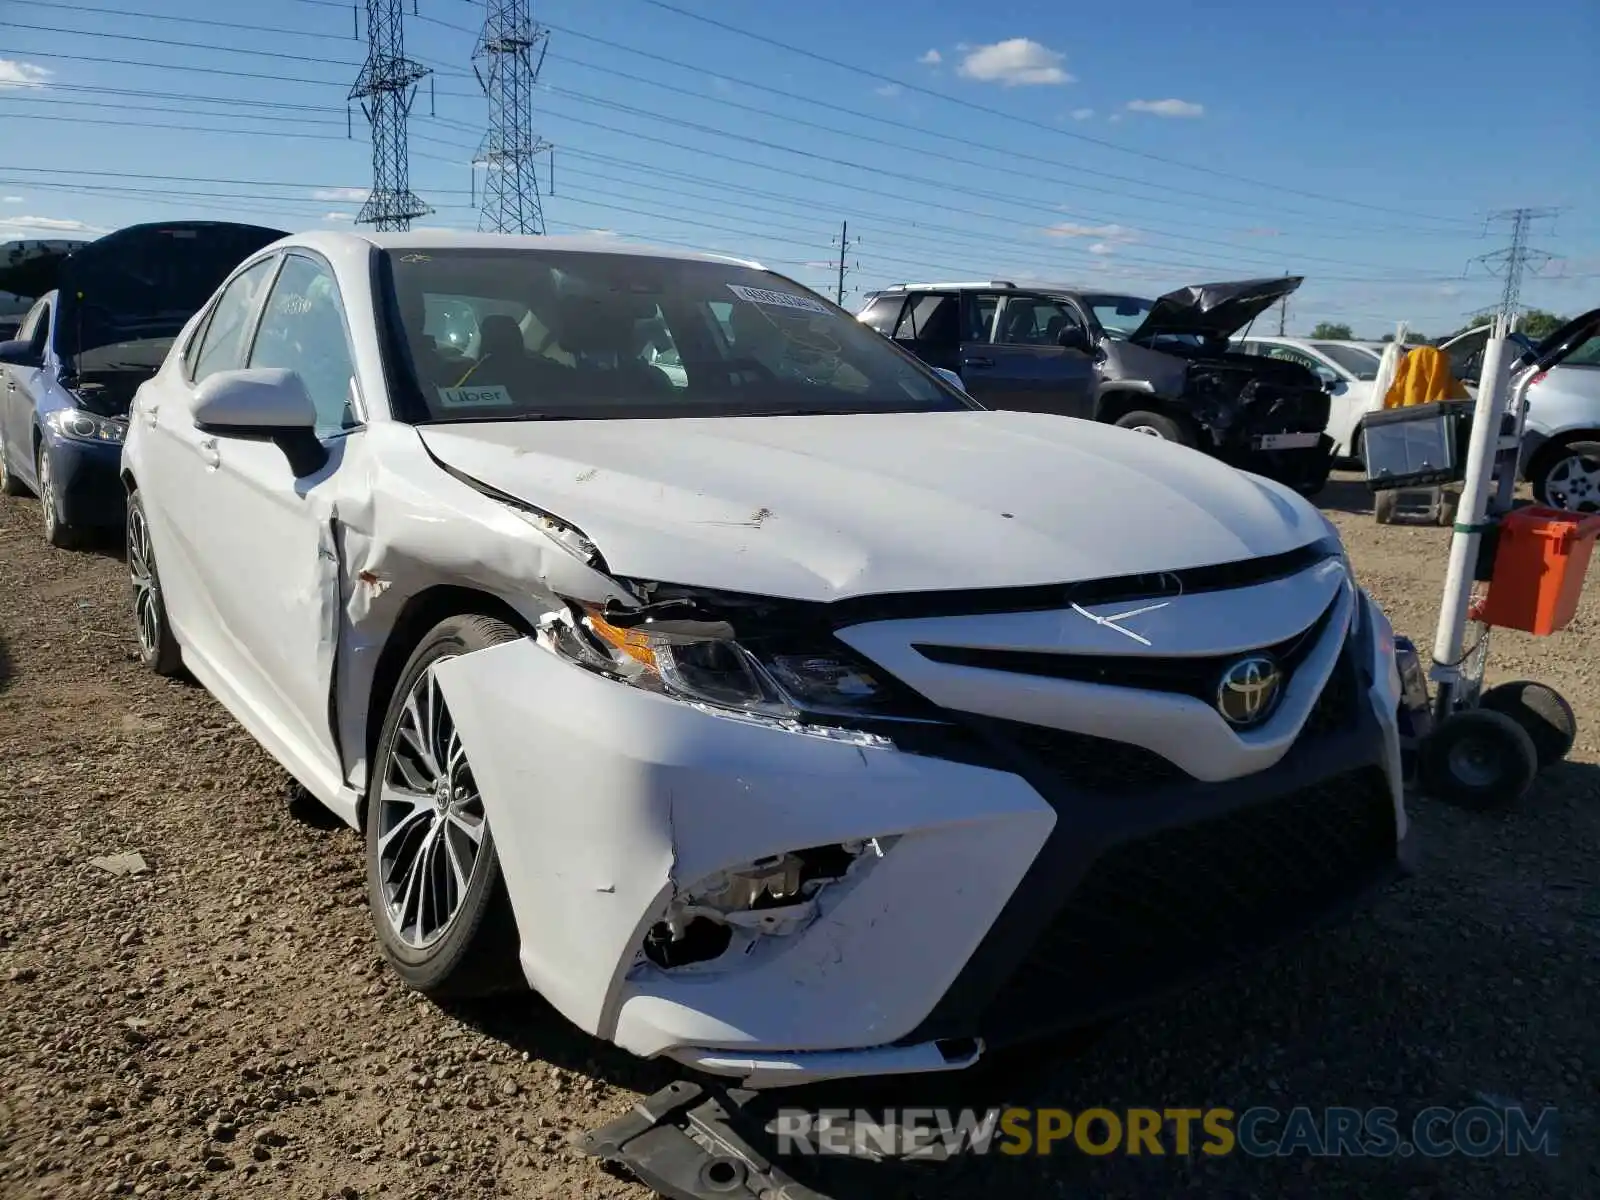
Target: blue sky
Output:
[(1136, 146)]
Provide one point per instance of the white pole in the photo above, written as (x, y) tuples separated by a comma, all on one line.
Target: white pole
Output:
[(1481, 454)]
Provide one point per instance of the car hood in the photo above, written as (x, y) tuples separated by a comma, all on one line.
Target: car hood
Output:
[(145, 281), (1213, 310), (30, 267), (825, 507)]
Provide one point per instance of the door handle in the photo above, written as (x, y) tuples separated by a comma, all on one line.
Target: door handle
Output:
[(150, 415), (209, 454), (977, 362)]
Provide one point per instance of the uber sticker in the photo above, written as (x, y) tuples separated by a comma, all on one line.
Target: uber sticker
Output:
[(776, 299), (489, 395)]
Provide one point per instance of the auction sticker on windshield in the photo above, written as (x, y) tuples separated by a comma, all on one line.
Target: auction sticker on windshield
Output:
[(487, 396), (776, 299)]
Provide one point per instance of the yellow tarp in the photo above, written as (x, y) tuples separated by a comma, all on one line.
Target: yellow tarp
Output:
[(1423, 377)]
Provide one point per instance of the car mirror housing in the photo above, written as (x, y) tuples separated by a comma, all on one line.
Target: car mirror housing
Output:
[(1074, 337), (262, 402), (19, 354)]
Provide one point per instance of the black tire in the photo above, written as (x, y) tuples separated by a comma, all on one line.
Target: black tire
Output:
[(158, 646), (474, 951), (1565, 477), (1384, 505), (10, 485), (1478, 759), (1154, 424), (56, 531), (1543, 713)]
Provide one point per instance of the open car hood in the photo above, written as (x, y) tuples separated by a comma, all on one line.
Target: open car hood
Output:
[(1214, 310), (146, 281), (31, 267)]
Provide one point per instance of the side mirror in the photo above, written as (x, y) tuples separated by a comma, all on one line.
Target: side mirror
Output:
[(19, 354), (1074, 337), (263, 402)]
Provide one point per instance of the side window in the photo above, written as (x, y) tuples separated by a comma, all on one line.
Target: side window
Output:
[(883, 314), (930, 318), (977, 316), (303, 330), (1029, 321), (35, 327), (222, 345)]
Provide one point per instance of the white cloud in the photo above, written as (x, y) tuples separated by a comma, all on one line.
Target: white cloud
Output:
[(352, 195), (50, 224), (14, 73), (602, 233), (1168, 108), (1102, 248), (337, 216), (10, 199), (1082, 114), (1106, 233), (932, 58), (1014, 62), (888, 89), (1114, 118)]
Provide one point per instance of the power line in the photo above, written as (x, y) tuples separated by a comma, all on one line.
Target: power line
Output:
[(995, 112), (511, 201), (386, 88)]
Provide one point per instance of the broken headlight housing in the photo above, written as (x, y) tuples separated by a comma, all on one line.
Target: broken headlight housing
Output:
[(703, 663)]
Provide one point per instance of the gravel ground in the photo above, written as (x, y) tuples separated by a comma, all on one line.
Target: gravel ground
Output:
[(221, 1023)]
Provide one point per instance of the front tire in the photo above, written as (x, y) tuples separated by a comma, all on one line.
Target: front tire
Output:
[(158, 646), (434, 883), (56, 531), (1159, 425), (1569, 478)]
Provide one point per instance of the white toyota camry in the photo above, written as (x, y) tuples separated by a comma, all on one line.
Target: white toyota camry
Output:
[(785, 713)]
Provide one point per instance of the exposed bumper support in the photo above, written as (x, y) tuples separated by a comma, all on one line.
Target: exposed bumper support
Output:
[(789, 1070)]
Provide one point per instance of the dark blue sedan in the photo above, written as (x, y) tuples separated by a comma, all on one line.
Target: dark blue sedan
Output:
[(106, 316)]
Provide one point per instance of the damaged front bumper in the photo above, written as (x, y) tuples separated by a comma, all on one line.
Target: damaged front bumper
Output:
[(1008, 895)]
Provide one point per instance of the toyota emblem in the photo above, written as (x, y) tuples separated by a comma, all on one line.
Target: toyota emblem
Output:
[(1249, 691)]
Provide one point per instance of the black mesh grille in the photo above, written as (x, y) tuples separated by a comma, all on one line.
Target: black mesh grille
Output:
[(1151, 912), (1091, 763)]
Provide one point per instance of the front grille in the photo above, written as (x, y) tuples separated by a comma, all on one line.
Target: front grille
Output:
[(1195, 676), (1091, 763), (1152, 912)]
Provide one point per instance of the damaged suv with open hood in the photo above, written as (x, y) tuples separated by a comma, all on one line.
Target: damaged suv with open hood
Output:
[(1160, 367), (785, 713), (105, 316)]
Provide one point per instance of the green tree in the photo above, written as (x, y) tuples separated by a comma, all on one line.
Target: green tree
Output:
[(1536, 323), (1327, 331)]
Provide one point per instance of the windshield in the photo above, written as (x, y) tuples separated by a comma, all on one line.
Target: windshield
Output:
[(1358, 360), (494, 334), (1119, 315)]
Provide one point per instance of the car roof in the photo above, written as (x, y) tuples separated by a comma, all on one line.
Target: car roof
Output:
[(441, 239)]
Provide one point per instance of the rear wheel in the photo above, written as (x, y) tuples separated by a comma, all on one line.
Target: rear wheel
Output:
[(1477, 758), (1569, 477), (10, 485), (56, 531), (1543, 713), (1158, 425), (433, 873), (158, 648)]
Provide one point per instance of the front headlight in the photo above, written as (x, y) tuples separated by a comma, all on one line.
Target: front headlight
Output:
[(80, 426), (792, 683)]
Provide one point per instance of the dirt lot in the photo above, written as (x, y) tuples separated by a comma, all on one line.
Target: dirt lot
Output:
[(221, 1024)]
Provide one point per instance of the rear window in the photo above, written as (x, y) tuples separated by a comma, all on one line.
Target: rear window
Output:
[(492, 334)]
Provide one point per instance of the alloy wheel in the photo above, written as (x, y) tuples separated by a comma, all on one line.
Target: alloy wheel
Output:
[(431, 819), (47, 494), (1573, 483), (141, 572)]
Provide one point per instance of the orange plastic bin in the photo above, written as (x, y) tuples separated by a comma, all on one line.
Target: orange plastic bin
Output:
[(1539, 567)]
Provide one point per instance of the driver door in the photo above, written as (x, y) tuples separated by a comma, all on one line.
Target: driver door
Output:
[(268, 535), (20, 390)]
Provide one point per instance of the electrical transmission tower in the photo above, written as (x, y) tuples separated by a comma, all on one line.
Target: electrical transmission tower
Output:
[(386, 86), (1516, 258), (511, 201)]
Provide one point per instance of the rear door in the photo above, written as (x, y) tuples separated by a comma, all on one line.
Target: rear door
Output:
[(1019, 363)]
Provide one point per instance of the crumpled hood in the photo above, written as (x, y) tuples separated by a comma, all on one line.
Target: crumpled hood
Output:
[(825, 507), (1214, 310)]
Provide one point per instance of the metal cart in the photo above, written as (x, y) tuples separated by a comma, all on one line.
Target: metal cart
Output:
[(1465, 744)]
